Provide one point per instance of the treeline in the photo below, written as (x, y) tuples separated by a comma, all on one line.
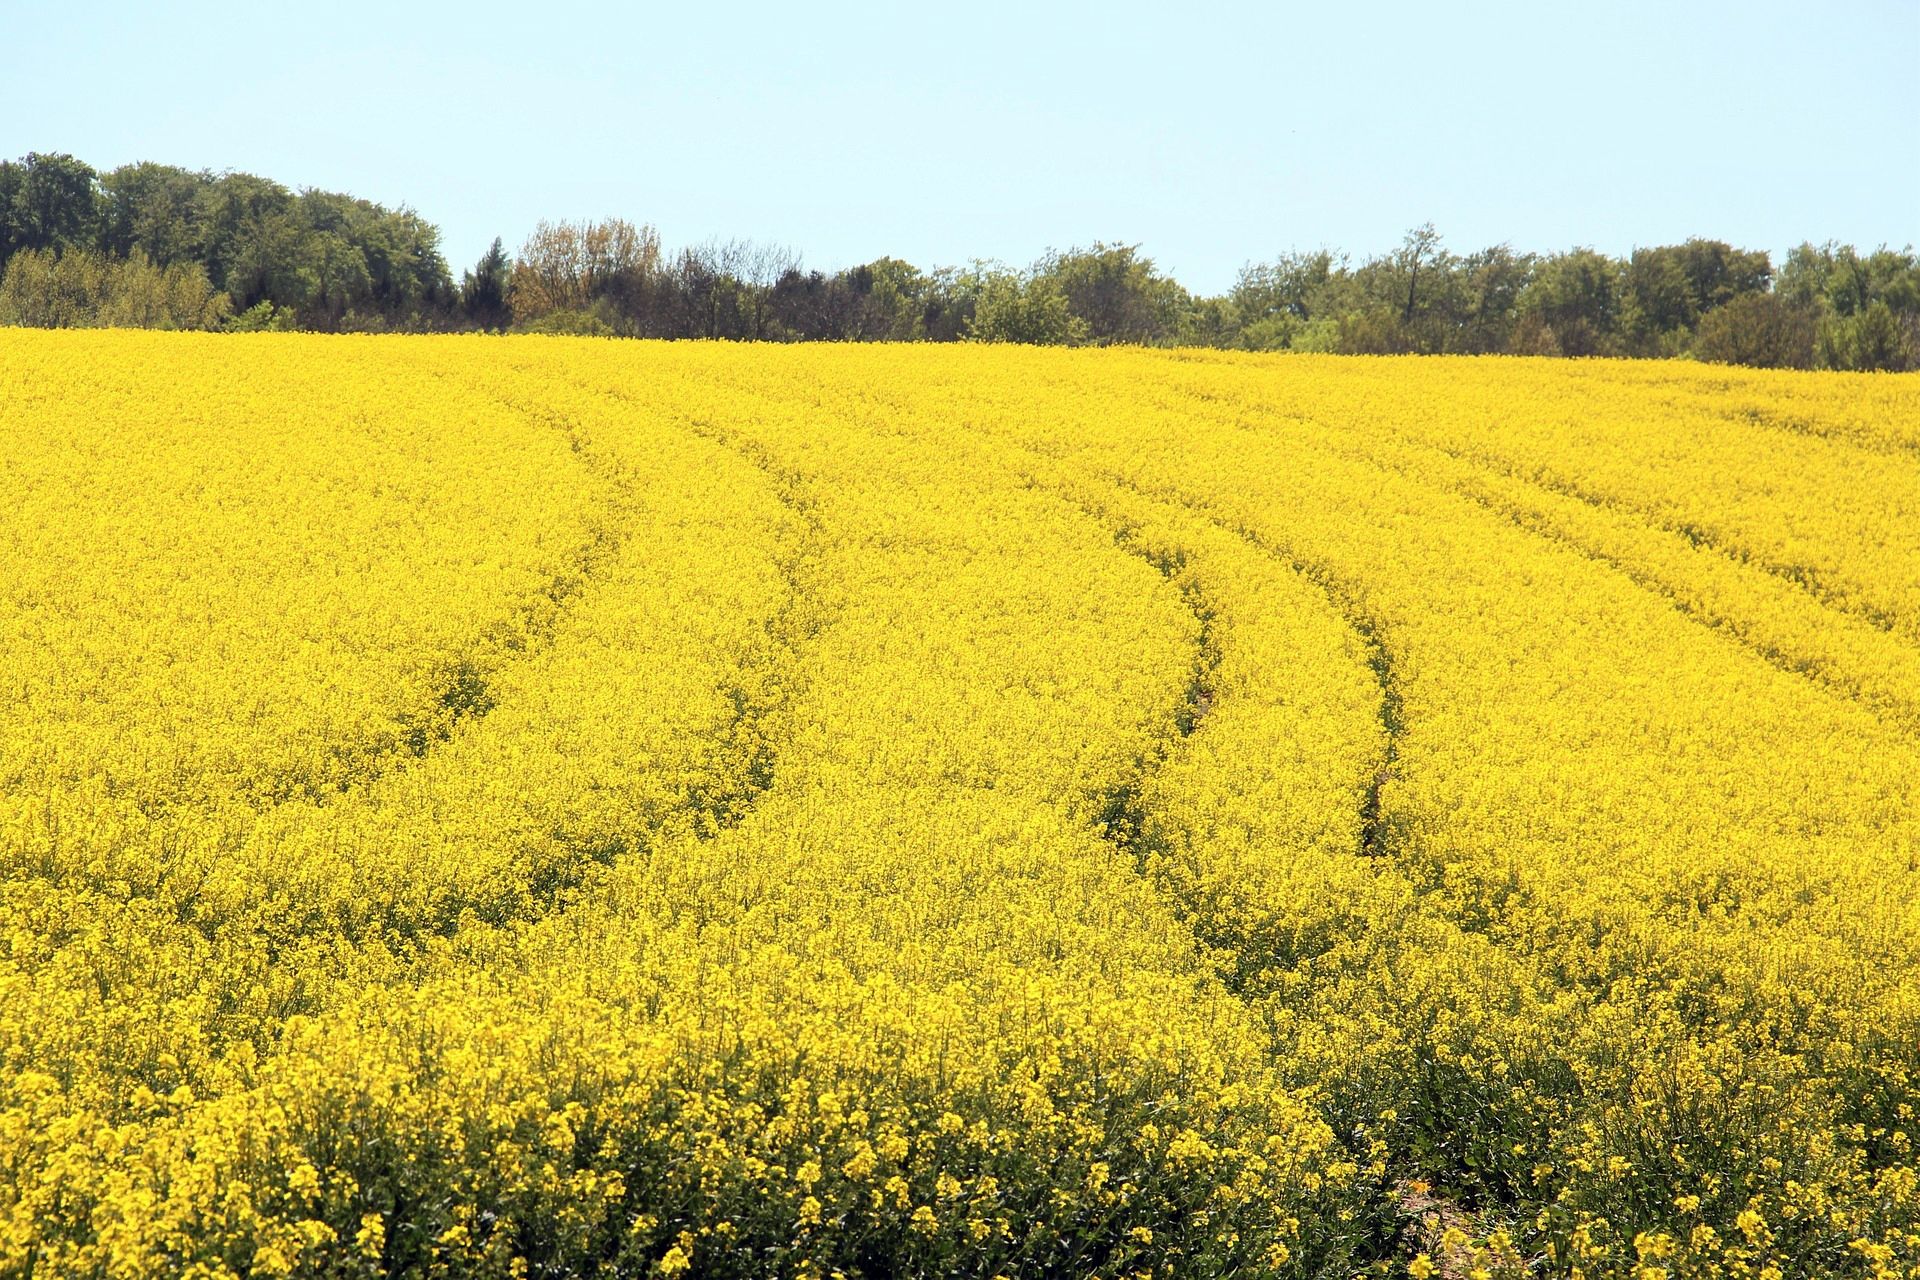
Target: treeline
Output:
[(1827, 306), (153, 245), (83, 247)]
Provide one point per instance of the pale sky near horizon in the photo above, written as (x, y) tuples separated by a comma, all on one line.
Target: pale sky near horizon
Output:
[(1212, 134)]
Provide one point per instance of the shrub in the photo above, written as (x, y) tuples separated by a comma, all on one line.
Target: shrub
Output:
[(1763, 330)]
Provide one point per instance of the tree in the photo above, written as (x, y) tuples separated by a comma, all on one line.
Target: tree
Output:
[(947, 304), (1420, 245), (1658, 297), (1271, 301), (1492, 281), (13, 175), (1763, 330), (1409, 300), (1373, 331), (569, 266), (874, 302), (153, 209), (47, 290), (406, 272), (719, 307), (1666, 289), (897, 300), (252, 236), (341, 284), (1871, 339), (51, 204), (1030, 310), (1209, 322), (483, 290), (760, 267), (78, 287), (1114, 293), (1573, 302), (1868, 304)]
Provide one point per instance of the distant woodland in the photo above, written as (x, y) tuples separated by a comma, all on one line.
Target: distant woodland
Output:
[(156, 246)]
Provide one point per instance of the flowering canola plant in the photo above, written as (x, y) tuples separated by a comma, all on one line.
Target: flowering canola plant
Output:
[(517, 807)]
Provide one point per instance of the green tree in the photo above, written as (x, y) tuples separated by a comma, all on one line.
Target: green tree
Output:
[(898, 299), (1413, 299), (1032, 310), (947, 303), (1666, 289), (1115, 294), (1421, 247), (1491, 282), (1870, 339), (252, 237), (339, 284), (1272, 300), (153, 209), (1571, 305), (1868, 304), (51, 203), (483, 290), (1839, 277), (1374, 331), (1209, 322), (1658, 298), (37, 292), (1763, 330)]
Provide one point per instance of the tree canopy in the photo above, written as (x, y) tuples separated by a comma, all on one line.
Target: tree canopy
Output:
[(154, 244)]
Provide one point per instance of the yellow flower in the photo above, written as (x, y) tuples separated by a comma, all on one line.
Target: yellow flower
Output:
[(371, 1239), (861, 1164), (532, 760)]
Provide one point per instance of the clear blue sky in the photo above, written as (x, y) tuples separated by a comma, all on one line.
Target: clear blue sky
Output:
[(944, 132)]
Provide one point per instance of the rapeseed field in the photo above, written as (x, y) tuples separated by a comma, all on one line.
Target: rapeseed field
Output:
[(534, 807)]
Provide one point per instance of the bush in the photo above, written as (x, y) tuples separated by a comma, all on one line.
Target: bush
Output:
[(261, 317), (43, 289), (1763, 330), (1033, 311), (1373, 333), (1873, 338), (571, 322), (79, 288)]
